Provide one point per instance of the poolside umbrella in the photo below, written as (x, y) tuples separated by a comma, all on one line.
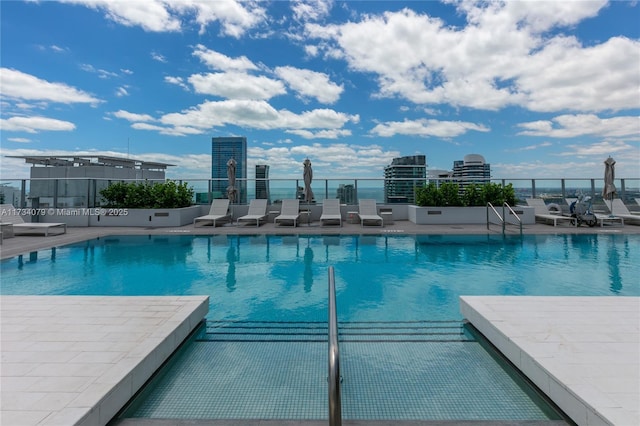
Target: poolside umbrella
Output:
[(609, 175), (308, 177), (231, 175)]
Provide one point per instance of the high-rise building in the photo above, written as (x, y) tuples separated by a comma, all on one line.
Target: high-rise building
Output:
[(473, 169), (222, 150), (346, 194), (262, 181), (402, 177)]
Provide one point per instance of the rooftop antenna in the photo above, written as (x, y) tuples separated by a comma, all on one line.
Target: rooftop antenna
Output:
[(127, 147)]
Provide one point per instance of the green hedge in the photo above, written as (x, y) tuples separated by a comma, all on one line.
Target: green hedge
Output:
[(166, 195), (448, 195)]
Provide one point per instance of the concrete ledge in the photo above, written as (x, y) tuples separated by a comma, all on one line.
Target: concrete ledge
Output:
[(76, 360), (583, 352)]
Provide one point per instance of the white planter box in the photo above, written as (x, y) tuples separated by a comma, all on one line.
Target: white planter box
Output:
[(156, 218), (466, 215)]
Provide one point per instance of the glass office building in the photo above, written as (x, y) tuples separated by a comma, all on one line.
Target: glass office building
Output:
[(223, 149), (402, 177)]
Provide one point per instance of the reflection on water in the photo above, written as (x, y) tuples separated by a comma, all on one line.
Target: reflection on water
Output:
[(284, 277)]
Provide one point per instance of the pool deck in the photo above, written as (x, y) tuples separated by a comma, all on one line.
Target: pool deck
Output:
[(77, 360), (584, 352)]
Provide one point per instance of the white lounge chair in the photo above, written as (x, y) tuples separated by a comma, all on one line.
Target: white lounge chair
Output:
[(618, 209), (219, 212), (368, 212), (541, 211), (331, 211), (9, 214), (290, 212), (257, 212)]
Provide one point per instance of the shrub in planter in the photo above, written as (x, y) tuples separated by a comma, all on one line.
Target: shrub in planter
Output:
[(133, 195), (448, 195)]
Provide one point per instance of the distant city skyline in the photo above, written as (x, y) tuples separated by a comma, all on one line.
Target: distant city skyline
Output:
[(540, 91)]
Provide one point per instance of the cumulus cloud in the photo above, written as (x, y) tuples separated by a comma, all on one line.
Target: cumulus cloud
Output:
[(18, 85), (178, 81), (569, 126), (131, 116), (311, 10), (234, 17), (310, 84), (257, 114), (220, 62), (35, 124), (504, 55), (426, 128), (236, 85)]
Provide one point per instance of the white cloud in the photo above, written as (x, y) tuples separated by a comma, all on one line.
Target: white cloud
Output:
[(158, 57), (19, 85), (502, 56), (322, 134), (310, 84), (311, 10), (35, 124), (169, 131), (122, 91), (126, 71), (133, 117), (235, 17), (255, 114), (104, 74), (426, 128), (569, 126), (218, 61), (600, 149), (150, 15), (19, 140), (236, 85), (178, 81)]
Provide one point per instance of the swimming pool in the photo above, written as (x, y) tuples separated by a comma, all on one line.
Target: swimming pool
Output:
[(405, 352)]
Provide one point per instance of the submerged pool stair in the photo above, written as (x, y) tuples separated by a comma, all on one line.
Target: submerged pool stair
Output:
[(349, 331)]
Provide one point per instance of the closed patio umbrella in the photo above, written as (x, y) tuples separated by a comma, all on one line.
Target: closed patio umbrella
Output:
[(308, 177), (231, 175), (609, 175)]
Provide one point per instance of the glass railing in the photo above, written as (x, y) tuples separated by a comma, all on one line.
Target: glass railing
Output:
[(85, 193)]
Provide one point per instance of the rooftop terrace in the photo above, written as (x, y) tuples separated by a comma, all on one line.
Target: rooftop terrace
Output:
[(583, 352)]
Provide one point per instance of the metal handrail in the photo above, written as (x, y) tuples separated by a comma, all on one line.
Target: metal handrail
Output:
[(505, 204), (497, 214), (335, 405), (503, 218)]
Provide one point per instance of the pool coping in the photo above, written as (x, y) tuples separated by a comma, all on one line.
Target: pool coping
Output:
[(77, 360), (583, 352)]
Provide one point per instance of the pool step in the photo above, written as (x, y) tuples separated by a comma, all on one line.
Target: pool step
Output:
[(356, 331)]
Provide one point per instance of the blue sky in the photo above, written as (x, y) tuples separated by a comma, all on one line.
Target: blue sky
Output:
[(540, 89)]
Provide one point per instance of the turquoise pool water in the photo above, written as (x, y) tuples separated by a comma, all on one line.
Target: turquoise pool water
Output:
[(405, 351)]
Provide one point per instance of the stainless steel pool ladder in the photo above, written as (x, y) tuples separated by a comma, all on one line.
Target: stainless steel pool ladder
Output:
[(503, 217), (335, 404)]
